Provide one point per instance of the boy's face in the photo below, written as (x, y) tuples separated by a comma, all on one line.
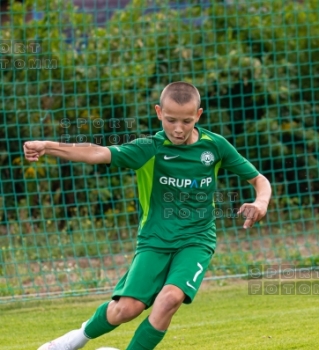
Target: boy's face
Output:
[(179, 120)]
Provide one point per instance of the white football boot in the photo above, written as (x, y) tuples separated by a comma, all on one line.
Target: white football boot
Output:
[(73, 340)]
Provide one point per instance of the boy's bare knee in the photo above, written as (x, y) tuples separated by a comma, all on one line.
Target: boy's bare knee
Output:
[(126, 309), (170, 299), (166, 304)]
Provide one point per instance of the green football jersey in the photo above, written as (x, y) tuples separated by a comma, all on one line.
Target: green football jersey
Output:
[(176, 185)]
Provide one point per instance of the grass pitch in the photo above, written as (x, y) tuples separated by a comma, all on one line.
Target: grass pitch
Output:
[(221, 318)]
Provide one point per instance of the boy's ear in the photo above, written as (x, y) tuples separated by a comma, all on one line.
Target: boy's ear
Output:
[(158, 110), (199, 113)]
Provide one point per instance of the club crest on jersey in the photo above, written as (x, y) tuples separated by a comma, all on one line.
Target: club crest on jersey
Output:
[(207, 158)]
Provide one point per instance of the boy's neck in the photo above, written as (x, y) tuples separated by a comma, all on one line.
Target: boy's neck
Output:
[(193, 137)]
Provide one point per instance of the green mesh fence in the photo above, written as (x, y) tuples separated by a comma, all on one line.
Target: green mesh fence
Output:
[(75, 75)]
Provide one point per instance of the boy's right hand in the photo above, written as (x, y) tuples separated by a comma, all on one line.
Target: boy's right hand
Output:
[(33, 150)]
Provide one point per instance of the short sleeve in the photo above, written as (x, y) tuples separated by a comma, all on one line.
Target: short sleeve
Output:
[(236, 163), (133, 154)]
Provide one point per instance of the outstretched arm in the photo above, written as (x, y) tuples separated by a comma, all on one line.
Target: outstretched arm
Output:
[(85, 152), (255, 211)]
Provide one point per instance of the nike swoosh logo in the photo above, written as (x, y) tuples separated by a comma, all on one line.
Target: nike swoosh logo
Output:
[(189, 285), (167, 157)]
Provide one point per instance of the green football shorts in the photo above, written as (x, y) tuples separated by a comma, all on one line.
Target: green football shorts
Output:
[(150, 271)]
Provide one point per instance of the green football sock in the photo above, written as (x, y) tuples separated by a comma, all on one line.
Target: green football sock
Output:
[(98, 324), (146, 337)]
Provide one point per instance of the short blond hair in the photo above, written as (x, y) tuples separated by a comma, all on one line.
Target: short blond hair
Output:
[(181, 93)]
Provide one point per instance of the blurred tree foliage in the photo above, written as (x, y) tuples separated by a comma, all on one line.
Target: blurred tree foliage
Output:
[(256, 65)]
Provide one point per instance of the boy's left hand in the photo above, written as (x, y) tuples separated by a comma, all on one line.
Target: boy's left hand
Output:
[(252, 212)]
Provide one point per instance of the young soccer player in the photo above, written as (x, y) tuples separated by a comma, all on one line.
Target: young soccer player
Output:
[(176, 176)]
